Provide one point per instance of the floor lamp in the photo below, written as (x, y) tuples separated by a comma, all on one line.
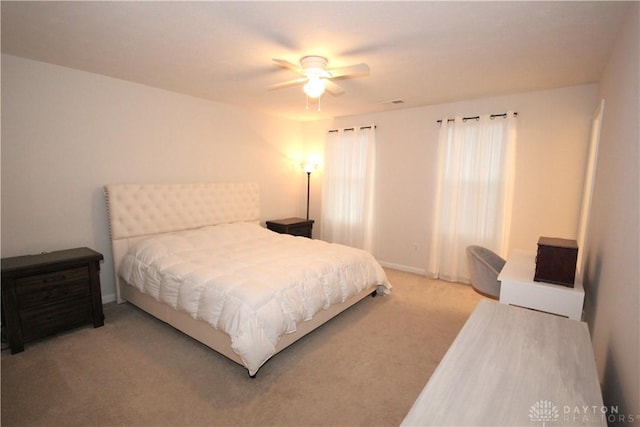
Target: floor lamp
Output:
[(308, 168)]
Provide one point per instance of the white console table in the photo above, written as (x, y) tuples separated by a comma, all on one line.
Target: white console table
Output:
[(518, 288), (510, 366)]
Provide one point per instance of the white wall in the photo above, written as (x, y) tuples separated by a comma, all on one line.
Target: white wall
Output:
[(612, 272), (67, 133), (553, 136)]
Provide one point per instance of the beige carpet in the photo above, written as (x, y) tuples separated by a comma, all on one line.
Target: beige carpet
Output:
[(365, 367)]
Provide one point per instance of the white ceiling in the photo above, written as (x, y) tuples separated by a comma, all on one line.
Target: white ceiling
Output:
[(420, 52)]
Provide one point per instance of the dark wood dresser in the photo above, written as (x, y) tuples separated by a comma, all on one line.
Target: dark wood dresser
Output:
[(50, 292), (294, 226)]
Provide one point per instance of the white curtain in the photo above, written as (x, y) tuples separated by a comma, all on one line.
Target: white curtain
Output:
[(348, 187), (476, 169)]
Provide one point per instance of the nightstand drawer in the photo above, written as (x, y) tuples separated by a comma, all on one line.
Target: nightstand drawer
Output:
[(42, 321), (52, 287), (304, 230)]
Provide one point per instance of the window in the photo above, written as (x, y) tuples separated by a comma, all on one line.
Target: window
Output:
[(348, 187), (476, 162)]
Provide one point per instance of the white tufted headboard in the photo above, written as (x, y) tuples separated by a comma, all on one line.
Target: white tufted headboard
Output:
[(138, 211)]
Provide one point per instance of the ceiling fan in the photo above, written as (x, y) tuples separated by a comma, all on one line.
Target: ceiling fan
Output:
[(316, 77)]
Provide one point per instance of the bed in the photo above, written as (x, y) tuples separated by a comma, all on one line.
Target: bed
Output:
[(196, 257)]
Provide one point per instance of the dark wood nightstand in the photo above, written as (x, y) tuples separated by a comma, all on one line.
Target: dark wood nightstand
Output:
[(50, 292), (294, 226)]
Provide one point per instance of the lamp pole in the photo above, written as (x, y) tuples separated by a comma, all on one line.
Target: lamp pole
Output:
[(308, 182), (308, 168)]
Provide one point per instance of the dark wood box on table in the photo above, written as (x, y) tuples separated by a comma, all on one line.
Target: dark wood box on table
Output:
[(556, 261), (48, 293)]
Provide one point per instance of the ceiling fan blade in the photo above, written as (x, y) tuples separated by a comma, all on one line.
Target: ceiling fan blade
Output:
[(332, 88), (288, 83), (349, 71), (288, 65)]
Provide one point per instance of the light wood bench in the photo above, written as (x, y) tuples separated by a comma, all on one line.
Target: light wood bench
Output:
[(513, 366)]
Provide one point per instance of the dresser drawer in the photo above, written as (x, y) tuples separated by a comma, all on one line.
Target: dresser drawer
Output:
[(38, 322), (52, 287)]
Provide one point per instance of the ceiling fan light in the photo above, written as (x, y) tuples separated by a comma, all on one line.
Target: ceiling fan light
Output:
[(314, 88)]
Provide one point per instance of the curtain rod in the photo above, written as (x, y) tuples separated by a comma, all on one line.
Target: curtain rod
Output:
[(492, 116), (347, 129)]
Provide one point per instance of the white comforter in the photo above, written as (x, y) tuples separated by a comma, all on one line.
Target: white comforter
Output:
[(249, 282)]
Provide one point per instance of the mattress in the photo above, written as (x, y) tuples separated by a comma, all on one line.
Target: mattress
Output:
[(249, 282)]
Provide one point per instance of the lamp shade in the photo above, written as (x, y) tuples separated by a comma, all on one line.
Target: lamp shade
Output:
[(309, 167)]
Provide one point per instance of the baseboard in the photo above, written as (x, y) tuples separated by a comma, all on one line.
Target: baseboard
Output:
[(108, 298), (405, 268)]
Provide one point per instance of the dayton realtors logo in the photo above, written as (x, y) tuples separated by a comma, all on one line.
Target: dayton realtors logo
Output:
[(544, 411)]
